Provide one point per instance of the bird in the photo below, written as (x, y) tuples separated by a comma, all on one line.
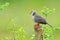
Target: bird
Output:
[(39, 19)]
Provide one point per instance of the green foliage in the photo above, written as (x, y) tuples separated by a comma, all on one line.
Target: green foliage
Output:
[(47, 11), (5, 38), (4, 5), (20, 33), (32, 37), (48, 33), (47, 30)]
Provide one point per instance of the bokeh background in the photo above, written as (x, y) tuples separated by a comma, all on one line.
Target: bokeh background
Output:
[(16, 13)]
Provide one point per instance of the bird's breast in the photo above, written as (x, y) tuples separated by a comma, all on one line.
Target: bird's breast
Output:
[(33, 17)]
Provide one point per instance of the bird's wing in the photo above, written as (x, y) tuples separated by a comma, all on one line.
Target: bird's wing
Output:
[(40, 19)]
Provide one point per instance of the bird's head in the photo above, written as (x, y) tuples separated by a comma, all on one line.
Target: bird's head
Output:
[(33, 12)]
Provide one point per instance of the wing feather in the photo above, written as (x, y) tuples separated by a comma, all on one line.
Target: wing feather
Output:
[(40, 19)]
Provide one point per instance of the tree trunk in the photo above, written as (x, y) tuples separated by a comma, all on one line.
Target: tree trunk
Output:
[(38, 32)]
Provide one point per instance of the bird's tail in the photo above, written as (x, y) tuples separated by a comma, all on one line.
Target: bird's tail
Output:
[(50, 25)]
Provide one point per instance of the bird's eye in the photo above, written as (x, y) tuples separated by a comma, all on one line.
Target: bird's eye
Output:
[(34, 13)]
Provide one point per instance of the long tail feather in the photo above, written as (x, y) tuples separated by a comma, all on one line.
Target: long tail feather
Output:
[(50, 25)]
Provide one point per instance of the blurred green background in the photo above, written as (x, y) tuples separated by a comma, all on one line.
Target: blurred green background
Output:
[(16, 13)]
